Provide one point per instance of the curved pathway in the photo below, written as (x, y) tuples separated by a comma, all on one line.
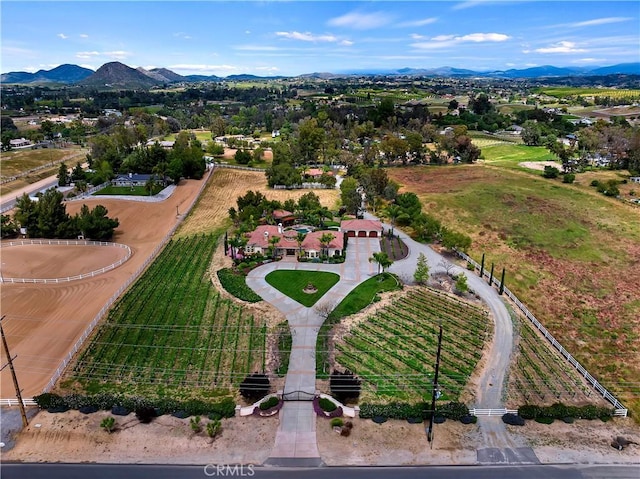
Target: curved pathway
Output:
[(296, 439)]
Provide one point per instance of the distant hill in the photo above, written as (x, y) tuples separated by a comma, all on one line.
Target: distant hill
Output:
[(168, 74), (622, 68), (61, 74), (119, 75), (197, 78)]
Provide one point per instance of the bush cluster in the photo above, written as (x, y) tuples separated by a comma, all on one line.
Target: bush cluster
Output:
[(327, 405), (255, 387), (106, 401), (236, 284), (608, 188), (396, 410), (269, 403), (562, 411)]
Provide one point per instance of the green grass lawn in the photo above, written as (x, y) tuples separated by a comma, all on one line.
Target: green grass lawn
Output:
[(510, 155), (292, 284), (127, 190), (362, 295)]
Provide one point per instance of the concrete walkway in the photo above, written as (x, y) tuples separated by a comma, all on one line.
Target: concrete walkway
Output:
[(296, 437)]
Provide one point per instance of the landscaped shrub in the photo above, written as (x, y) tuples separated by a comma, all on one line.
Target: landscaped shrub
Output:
[(327, 405), (48, 400), (255, 387), (561, 411), (453, 410), (568, 178), (345, 386), (336, 422), (108, 424), (146, 414), (568, 420), (544, 420), (195, 424), (512, 419), (345, 431), (269, 403), (550, 172), (395, 410), (236, 284), (468, 419), (213, 428)]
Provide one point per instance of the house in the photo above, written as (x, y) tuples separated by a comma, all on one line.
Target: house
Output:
[(135, 179), (260, 241), (284, 217), (515, 130), (19, 142), (361, 228), (167, 145)]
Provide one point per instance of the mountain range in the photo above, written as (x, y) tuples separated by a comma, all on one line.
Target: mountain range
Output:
[(119, 75)]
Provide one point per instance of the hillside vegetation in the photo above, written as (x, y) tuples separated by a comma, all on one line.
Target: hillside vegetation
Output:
[(571, 255)]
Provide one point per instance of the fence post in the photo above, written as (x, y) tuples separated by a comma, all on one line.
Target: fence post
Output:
[(502, 283), (482, 266)]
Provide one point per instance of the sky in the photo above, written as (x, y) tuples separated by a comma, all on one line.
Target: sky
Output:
[(296, 37)]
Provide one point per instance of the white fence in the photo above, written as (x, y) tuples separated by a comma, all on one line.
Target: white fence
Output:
[(87, 332), (237, 167), (89, 192), (303, 186), (492, 412), (90, 274), (14, 402), (620, 410)]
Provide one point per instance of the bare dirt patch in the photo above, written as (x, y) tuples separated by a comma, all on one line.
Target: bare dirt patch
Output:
[(44, 321), (539, 165), (75, 437), (57, 261)]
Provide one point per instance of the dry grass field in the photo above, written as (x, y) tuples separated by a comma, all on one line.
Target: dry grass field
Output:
[(571, 254), (212, 210)]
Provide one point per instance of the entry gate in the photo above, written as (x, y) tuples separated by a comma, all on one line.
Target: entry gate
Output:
[(298, 396)]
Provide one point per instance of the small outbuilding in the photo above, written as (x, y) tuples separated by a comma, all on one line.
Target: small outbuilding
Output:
[(362, 228)]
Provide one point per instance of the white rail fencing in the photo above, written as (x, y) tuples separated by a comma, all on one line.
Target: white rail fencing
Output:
[(14, 402), (89, 329), (66, 279), (237, 167), (620, 410), (492, 412)]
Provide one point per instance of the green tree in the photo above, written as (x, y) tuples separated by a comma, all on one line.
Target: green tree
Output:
[(454, 240), (349, 195), (421, 274), (299, 239), (461, 283), (242, 157), (310, 139), (63, 175), (273, 242), (53, 219), (393, 211), (27, 215), (95, 224), (382, 260), (9, 228), (325, 240), (77, 174), (531, 133)]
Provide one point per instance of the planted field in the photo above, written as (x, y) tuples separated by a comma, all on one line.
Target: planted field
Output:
[(571, 255), (541, 376), (394, 351), (172, 330), (567, 92), (395, 248), (511, 154), (222, 190)]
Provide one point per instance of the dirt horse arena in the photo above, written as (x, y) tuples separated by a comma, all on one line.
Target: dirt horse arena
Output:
[(43, 321)]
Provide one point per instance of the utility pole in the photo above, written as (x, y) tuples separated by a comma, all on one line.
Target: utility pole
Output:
[(25, 422), (434, 393)]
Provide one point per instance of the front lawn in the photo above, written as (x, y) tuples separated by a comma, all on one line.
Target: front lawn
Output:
[(128, 190), (292, 283)]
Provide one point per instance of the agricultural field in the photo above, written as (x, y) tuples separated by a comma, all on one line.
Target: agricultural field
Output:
[(394, 350), (571, 255), (510, 155), (566, 92), (541, 376), (222, 190), (172, 332)]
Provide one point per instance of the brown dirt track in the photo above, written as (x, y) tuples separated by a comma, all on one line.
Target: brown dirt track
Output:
[(44, 321)]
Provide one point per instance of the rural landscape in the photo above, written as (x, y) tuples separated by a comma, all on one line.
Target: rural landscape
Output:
[(416, 267)]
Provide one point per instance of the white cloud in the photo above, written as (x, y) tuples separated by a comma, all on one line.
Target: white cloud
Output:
[(182, 35), (419, 23), (117, 55), (361, 21), (307, 37), (561, 47), (465, 5), (87, 55), (203, 68), (267, 69), (90, 67), (446, 41), (346, 43), (510, 64), (589, 60), (62, 35), (84, 35), (416, 36), (601, 21), (530, 65)]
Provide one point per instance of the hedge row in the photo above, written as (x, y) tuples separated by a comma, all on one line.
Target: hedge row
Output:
[(236, 284), (452, 410), (561, 411), (107, 401)]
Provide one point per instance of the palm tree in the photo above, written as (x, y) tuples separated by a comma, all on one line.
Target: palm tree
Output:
[(273, 241), (236, 242), (150, 185), (382, 260), (393, 212), (299, 239), (325, 239)]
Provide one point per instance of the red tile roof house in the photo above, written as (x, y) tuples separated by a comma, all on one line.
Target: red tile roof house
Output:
[(287, 245), (362, 228), (316, 172), (287, 218)]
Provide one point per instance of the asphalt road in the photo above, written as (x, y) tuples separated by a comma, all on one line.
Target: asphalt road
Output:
[(9, 200), (131, 471)]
